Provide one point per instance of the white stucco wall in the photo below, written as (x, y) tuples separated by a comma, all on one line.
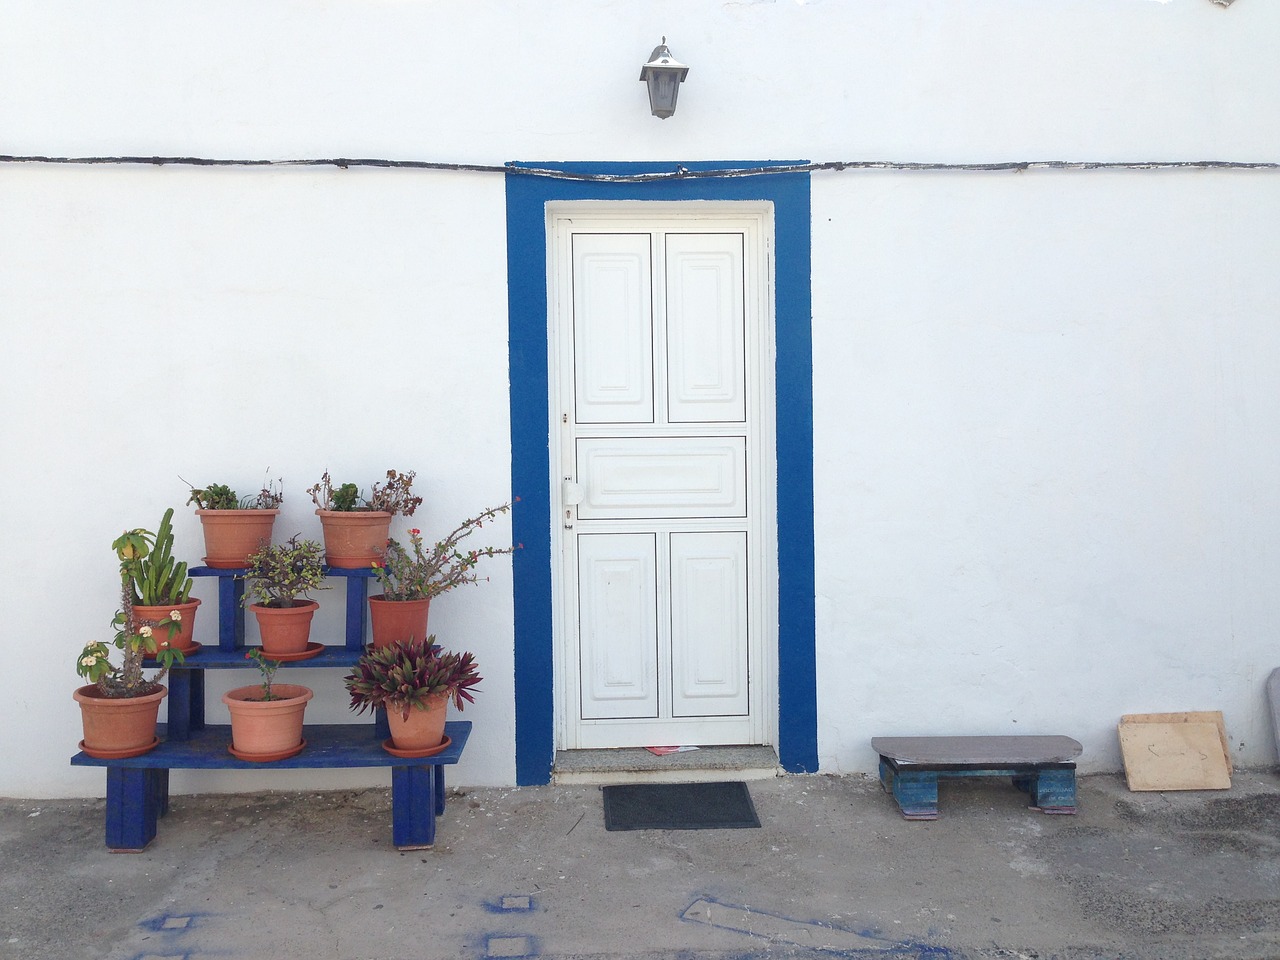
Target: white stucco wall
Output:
[(1046, 484), (1044, 403)]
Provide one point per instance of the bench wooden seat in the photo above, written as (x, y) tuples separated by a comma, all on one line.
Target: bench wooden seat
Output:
[(1044, 767)]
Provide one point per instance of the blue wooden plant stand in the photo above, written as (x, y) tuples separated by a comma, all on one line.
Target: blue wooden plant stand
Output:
[(138, 787), (1043, 767)]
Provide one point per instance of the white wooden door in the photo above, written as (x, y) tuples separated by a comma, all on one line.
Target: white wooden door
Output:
[(661, 384)]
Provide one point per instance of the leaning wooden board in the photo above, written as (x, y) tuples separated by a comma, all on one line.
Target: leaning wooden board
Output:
[(1179, 751)]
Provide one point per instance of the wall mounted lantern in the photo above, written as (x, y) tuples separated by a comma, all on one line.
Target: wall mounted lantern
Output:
[(663, 74)]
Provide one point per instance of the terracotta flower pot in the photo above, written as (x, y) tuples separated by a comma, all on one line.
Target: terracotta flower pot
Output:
[(118, 727), (231, 536), (354, 538), (264, 730), (285, 629), (182, 637), (423, 729), (392, 621)]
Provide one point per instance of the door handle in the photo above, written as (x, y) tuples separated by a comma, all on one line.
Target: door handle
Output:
[(571, 494)]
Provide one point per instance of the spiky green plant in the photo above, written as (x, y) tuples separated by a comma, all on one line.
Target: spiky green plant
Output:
[(425, 573), (141, 575), (158, 580), (404, 675)]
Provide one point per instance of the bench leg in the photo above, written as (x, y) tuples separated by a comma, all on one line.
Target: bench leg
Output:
[(136, 798), (917, 794), (886, 775), (413, 807), (1054, 791)]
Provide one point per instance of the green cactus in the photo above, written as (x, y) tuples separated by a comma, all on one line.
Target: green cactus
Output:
[(158, 579)]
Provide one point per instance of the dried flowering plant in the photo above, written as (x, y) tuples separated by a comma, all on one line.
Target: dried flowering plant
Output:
[(419, 573), (219, 496), (394, 496), (136, 637), (267, 667), (407, 674)]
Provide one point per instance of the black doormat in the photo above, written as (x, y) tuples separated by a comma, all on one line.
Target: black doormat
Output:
[(679, 806)]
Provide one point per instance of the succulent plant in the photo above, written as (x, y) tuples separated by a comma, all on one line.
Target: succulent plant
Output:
[(404, 675)]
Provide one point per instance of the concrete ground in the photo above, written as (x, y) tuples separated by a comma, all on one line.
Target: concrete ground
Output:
[(834, 872)]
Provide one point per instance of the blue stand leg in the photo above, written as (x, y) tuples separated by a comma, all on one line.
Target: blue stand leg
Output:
[(134, 801), (916, 793), (357, 597), (230, 613), (1055, 791), (179, 703), (160, 784), (439, 778), (413, 816)]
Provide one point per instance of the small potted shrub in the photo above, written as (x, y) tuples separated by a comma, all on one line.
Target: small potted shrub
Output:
[(414, 682), (119, 705), (235, 527), (280, 577), (356, 527), (411, 577), (266, 718), (159, 584)]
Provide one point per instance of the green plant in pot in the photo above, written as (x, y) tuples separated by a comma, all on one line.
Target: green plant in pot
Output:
[(235, 527), (411, 576), (159, 584), (279, 578), (266, 718), (119, 705), (414, 681), (356, 526)]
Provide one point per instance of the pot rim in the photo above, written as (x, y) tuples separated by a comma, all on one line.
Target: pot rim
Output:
[(296, 608), (89, 692), (307, 694), (238, 513)]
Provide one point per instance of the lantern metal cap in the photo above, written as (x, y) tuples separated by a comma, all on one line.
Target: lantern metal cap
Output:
[(661, 58)]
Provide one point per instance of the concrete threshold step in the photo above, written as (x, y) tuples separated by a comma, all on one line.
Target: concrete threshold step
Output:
[(637, 765)]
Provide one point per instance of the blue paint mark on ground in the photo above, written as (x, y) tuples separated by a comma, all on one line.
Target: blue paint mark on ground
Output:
[(512, 903), (174, 922), (823, 938), (514, 945)]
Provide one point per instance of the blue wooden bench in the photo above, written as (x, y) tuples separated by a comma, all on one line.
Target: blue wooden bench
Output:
[(1043, 767), (138, 788)]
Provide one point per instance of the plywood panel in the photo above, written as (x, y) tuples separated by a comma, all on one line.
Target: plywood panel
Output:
[(1192, 716), (1174, 756)]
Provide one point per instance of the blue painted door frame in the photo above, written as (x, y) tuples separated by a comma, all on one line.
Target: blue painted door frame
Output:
[(527, 197)]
